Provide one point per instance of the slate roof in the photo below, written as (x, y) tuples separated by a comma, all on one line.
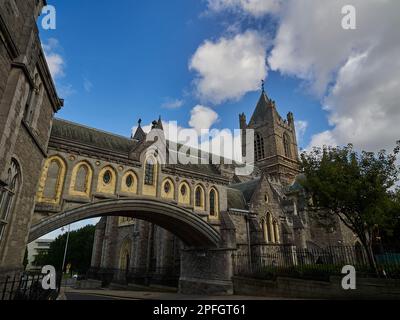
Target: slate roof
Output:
[(90, 136), (105, 140), (236, 199), (247, 188), (261, 110)]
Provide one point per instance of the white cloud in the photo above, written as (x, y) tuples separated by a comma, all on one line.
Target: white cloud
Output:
[(301, 127), (172, 103), (55, 61), (87, 85), (230, 67), (256, 8), (202, 118), (355, 73)]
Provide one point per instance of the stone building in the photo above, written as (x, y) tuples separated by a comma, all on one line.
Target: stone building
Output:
[(158, 220), (28, 101)]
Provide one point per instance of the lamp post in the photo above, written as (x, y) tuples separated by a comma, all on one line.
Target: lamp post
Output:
[(65, 252)]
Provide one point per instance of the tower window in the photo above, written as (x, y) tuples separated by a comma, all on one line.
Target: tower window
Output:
[(286, 145), (259, 151)]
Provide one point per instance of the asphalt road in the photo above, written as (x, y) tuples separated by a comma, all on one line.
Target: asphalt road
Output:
[(81, 296)]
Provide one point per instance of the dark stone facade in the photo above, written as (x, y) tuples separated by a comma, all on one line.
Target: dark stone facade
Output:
[(28, 101)]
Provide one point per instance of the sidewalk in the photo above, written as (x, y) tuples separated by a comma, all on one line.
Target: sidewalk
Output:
[(146, 295)]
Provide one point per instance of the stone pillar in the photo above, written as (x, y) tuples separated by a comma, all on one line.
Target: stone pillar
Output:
[(206, 271)]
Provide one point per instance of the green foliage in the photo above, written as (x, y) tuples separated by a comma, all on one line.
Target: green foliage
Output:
[(356, 187), (79, 250)]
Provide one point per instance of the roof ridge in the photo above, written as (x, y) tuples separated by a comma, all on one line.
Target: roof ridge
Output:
[(91, 128)]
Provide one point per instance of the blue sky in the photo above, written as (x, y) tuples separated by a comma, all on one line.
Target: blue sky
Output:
[(200, 63), (134, 58)]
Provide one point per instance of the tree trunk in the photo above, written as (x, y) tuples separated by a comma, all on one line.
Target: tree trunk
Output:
[(367, 243)]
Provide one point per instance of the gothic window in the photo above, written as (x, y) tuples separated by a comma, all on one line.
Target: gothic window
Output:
[(184, 195), (213, 203), (149, 173), (32, 103), (286, 145), (167, 187), (199, 197), (259, 151), (8, 195), (129, 181), (183, 190), (270, 238), (52, 180), (81, 182), (107, 177), (276, 232)]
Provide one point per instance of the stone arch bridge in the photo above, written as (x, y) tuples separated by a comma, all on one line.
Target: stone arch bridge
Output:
[(89, 173)]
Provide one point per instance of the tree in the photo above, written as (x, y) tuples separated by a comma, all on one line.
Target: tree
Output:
[(79, 252), (355, 187)]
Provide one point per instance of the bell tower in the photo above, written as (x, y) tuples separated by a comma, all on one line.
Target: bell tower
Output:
[(275, 143)]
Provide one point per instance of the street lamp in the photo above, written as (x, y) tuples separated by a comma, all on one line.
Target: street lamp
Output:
[(65, 250)]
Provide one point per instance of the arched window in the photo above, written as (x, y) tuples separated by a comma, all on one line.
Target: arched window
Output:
[(8, 195), (276, 232), (259, 151), (184, 193), (199, 197), (213, 198), (286, 145), (168, 189), (149, 172), (81, 180), (270, 229), (52, 180), (125, 254)]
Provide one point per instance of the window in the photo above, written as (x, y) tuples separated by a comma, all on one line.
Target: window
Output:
[(7, 196), (199, 197), (129, 181), (33, 101), (183, 190), (107, 177), (213, 206), (149, 173), (167, 187), (286, 145), (259, 151), (81, 183)]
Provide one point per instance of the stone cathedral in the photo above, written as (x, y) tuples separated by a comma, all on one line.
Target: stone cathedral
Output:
[(158, 221), (144, 252)]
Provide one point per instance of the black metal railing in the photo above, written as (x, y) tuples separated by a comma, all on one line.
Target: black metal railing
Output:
[(269, 262), (23, 286), (142, 276)]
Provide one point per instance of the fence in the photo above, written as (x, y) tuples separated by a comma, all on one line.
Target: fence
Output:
[(271, 261), (25, 287), (161, 276)]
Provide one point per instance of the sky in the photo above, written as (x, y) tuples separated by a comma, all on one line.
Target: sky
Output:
[(201, 62)]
